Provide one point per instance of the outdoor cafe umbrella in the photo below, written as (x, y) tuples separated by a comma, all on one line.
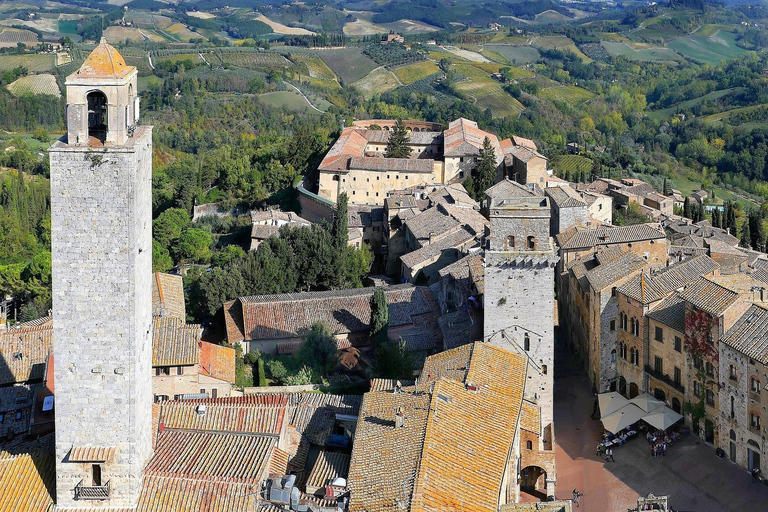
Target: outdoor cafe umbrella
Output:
[(646, 402), (623, 418), (610, 403), (662, 418)]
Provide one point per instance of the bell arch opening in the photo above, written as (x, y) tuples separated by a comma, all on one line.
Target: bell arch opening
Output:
[(97, 115)]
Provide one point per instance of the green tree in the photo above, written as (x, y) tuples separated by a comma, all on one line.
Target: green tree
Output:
[(379, 317), (319, 351), (161, 258), (194, 245), (168, 226), (485, 171), (756, 229), (340, 223), (746, 237), (397, 146), (393, 361), (687, 208), (227, 254)]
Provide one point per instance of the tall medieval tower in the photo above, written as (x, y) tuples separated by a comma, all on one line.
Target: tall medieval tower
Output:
[(101, 221), (519, 289)]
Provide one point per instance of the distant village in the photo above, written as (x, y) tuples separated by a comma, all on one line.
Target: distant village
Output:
[(480, 291)]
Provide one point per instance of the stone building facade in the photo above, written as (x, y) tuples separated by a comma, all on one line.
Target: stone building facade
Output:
[(101, 222)]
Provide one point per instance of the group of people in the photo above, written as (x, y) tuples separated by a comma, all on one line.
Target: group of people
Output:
[(659, 441)]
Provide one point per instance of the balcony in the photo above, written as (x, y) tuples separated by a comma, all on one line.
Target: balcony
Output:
[(651, 371), (92, 492)]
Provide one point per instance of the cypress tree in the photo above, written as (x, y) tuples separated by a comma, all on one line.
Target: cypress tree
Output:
[(379, 317), (687, 208), (486, 168), (397, 146), (746, 237), (340, 223)]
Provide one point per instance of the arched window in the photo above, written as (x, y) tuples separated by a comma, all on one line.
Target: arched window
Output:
[(613, 291), (529, 445), (676, 405), (733, 435), (613, 355), (527, 342), (335, 177), (510, 242), (97, 115), (544, 369), (531, 242)]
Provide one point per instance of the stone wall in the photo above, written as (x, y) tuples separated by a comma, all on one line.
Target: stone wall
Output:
[(101, 219), (520, 223), (564, 218)]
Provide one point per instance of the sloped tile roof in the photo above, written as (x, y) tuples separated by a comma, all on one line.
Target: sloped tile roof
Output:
[(91, 453), (292, 314), (434, 220), (103, 62), (456, 328), (241, 416), (208, 455), (463, 137), (670, 312), (603, 276), (174, 343), (350, 143), (168, 296), (459, 239), (525, 154), (749, 335), (418, 339), (526, 143), (273, 216), (217, 361), (468, 217), (180, 494), (530, 418), (375, 163), (650, 288), (24, 351), (611, 235), (25, 482), (565, 197), (716, 294), (455, 193), (329, 465), (507, 189)]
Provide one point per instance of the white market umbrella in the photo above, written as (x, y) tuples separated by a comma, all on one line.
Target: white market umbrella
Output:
[(646, 402), (623, 418), (610, 403), (663, 418)]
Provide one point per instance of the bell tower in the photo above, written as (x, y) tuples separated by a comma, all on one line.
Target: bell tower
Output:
[(101, 221)]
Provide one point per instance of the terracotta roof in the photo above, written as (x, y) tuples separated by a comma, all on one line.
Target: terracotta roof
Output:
[(25, 482), (582, 239), (565, 197), (453, 193), (435, 221), (263, 417), (526, 143), (456, 328), (457, 240), (452, 364), (656, 286), (507, 189), (104, 62), (174, 343), (329, 466), (392, 164), (24, 351), (525, 154), (217, 361), (233, 320), (605, 275), (749, 335), (350, 143), (292, 314), (168, 296), (208, 455), (273, 217), (91, 454), (670, 312), (714, 295), (463, 137), (181, 494), (530, 418)]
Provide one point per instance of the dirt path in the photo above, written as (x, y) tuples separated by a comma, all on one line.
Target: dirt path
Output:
[(305, 98)]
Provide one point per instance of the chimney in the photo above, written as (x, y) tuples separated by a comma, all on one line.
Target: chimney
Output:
[(472, 387), (161, 427), (431, 236), (399, 418)]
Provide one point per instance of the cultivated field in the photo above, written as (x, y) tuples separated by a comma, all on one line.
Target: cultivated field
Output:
[(180, 31), (316, 67), (485, 91), (349, 64), (708, 49), (254, 60), (661, 114), (501, 104), (10, 37), (120, 34), (573, 163), (410, 27), (552, 42), (201, 15), (515, 54), (466, 54), (35, 84), (380, 80), (363, 27), (615, 49), (33, 63), (566, 93), (416, 71), (279, 28), (289, 99)]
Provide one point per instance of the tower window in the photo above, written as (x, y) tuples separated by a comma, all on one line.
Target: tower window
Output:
[(527, 343), (97, 115), (531, 242)]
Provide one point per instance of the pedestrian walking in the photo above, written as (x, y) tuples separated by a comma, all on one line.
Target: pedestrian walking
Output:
[(610, 455), (664, 449), (599, 450), (576, 496)]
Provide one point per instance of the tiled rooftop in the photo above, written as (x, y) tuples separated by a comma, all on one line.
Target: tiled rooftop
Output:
[(162, 493), (217, 361), (670, 312), (168, 296), (457, 240), (463, 137), (25, 482), (174, 343), (650, 288), (24, 351), (420, 165), (245, 415), (435, 220), (507, 189), (603, 276), (714, 295), (611, 235), (565, 197), (749, 335), (329, 466)]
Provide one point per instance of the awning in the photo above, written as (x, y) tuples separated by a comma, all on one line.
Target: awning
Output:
[(623, 418), (663, 418), (610, 403), (646, 402), (91, 454)]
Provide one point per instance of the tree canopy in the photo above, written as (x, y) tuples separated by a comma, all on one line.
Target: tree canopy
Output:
[(397, 146)]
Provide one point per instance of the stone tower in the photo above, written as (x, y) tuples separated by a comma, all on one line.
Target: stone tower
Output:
[(519, 285), (101, 221)]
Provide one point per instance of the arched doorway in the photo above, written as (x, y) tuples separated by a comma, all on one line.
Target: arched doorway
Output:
[(676, 406), (659, 394), (533, 478), (709, 431), (97, 115), (633, 390), (623, 386)]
